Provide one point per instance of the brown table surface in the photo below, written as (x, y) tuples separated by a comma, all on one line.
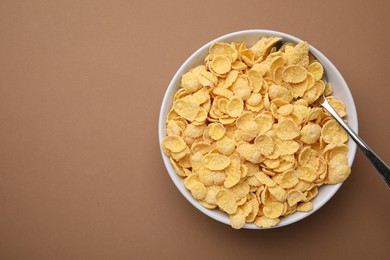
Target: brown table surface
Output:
[(81, 84)]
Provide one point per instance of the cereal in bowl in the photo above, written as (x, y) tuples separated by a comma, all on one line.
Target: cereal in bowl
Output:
[(247, 136)]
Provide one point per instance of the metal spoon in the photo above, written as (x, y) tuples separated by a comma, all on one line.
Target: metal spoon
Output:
[(382, 168)]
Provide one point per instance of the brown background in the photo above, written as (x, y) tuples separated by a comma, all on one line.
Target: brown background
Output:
[(81, 84)]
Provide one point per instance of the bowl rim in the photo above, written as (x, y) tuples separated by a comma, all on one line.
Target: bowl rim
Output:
[(178, 181)]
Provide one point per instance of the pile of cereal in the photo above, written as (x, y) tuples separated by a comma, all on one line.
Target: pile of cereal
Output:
[(247, 135)]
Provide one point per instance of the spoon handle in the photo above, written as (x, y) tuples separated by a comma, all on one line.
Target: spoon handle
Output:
[(379, 164)]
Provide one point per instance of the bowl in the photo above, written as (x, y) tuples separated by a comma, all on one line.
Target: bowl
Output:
[(340, 90)]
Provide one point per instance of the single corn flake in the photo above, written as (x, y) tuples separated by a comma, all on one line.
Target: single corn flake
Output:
[(285, 110), (265, 144), (241, 87), (206, 78), (216, 131), (255, 209), (294, 74), (307, 173), (298, 54), (206, 205), (338, 155), (287, 147), (205, 176), (233, 173), (278, 192), (288, 179), (194, 131), (337, 173), (314, 114), (240, 190), (230, 78), (220, 64), (306, 155), (287, 130), (237, 220), (222, 48), (215, 161), (225, 146), (273, 210), (212, 194), (201, 147), (276, 91), (298, 89), (185, 109), (242, 201), (179, 155), (337, 105), (250, 152), (197, 189), (310, 133), (235, 106), (264, 122), (173, 128), (313, 93), (278, 75), (328, 89), (333, 133), (294, 196), (189, 82), (178, 169), (305, 206), (254, 99), (226, 201), (316, 69), (201, 116), (174, 143), (239, 65), (264, 179), (265, 222), (256, 79)]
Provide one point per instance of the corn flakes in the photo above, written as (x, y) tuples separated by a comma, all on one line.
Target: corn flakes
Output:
[(247, 136)]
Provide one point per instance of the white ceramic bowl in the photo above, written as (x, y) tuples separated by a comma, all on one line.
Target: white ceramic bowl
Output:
[(340, 90)]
